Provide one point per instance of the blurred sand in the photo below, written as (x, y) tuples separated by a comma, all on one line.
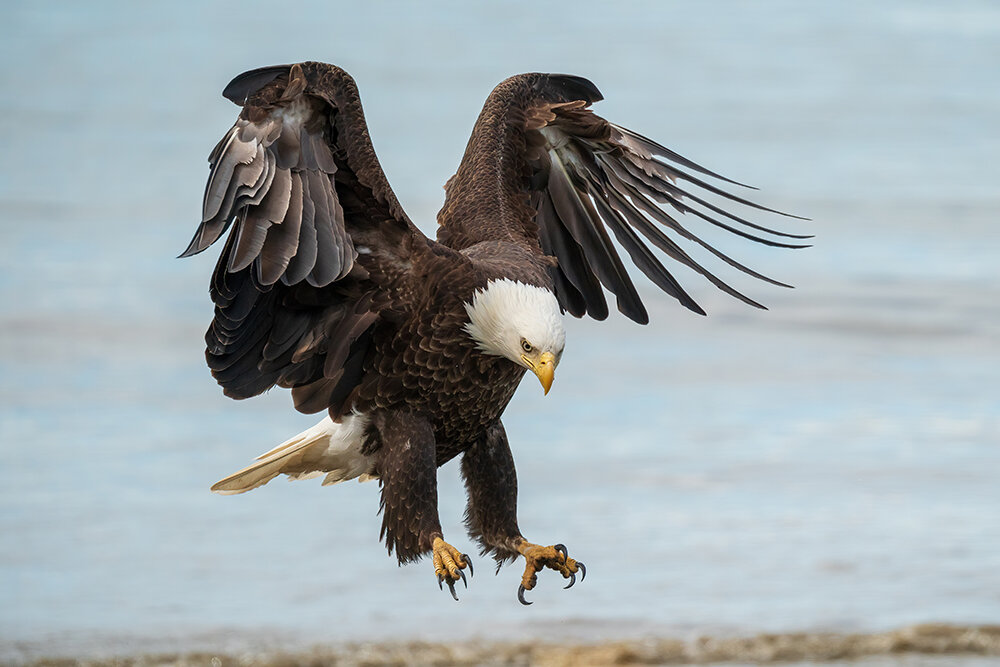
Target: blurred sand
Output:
[(917, 646)]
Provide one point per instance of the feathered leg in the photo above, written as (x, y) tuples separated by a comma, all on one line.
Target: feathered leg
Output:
[(491, 515), (407, 467), (491, 484)]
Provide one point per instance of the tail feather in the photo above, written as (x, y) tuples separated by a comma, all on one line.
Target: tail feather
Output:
[(327, 447)]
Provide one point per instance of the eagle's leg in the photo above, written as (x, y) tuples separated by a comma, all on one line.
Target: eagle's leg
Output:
[(406, 460), (491, 517)]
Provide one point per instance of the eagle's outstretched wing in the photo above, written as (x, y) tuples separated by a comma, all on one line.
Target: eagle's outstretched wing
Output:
[(544, 169), (298, 181)]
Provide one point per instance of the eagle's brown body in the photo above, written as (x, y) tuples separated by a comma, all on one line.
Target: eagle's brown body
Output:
[(326, 287)]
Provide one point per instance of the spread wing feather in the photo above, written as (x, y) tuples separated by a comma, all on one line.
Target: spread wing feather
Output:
[(297, 182), (577, 288), (575, 177)]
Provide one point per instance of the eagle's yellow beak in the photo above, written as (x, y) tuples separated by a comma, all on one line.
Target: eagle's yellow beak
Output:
[(544, 368)]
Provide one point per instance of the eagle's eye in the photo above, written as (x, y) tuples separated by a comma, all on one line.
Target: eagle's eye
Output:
[(525, 345)]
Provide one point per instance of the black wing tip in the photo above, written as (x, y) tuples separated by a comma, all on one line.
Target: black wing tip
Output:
[(597, 314), (574, 87), (249, 82), (640, 317), (193, 248), (693, 306)]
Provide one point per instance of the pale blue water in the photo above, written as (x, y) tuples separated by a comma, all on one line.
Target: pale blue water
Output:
[(830, 464)]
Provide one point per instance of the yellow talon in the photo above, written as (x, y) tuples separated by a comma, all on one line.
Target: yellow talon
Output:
[(555, 557), (448, 565)]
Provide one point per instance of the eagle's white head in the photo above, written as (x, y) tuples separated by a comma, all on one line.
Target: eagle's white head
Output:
[(520, 322)]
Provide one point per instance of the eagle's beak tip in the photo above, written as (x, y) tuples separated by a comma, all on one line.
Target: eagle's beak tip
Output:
[(545, 370)]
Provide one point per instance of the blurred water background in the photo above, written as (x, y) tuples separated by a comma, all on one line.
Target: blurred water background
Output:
[(831, 464)]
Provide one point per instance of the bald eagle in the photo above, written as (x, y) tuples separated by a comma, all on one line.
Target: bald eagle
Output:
[(413, 347)]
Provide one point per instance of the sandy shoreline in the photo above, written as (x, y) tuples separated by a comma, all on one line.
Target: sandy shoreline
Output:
[(930, 644)]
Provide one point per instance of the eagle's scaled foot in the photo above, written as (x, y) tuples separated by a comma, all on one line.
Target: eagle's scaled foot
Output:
[(556, 557), (448, 565)]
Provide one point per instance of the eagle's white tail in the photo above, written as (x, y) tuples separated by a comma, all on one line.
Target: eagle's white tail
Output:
[(327, 447)]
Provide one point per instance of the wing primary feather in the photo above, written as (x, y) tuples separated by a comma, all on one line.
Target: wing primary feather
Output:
[(658, 238), (591, 237), (739, 232), (732, 216), (572, 260), (667, 193), (624, 174), (654, 148), (627, 297), (674, 195), (640, 254), (665, 244), (580, 230), (569, 297), (677, 173)]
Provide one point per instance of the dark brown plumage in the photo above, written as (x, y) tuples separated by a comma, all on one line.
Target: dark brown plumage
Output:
[(411, 345)]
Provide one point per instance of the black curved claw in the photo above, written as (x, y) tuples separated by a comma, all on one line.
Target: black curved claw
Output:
[(451, 587), (572, 580), (468, 561), (462, 574), (583, 570), (440, 579), (520, 596), (561, 548)]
